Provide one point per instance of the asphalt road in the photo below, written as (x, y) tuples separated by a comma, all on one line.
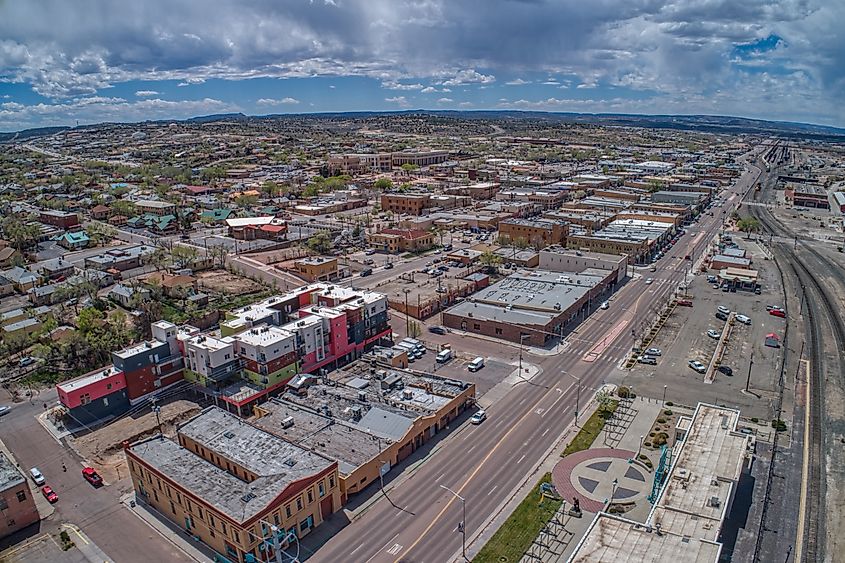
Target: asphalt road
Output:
[(484, 464), (98, 512)]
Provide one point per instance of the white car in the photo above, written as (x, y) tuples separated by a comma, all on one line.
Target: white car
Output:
[(478, 417), (712, 333), (743, 319), (697, 366), (649, 281), (723, 309), (653, 352), (605, 305)]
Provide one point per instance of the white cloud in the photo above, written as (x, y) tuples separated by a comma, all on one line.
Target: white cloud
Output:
[(332, 86), (445, 101), (192, 80), (276, 102), (517, 82), (428, 90), (399, 86), (146, 93), (401, 101), (445, 90), (469, 76), (465, 104)]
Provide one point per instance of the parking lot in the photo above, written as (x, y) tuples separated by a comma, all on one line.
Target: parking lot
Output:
[(684, 338)]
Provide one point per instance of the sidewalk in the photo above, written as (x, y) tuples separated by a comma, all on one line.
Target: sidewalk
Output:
[(46, 548), (194, 550), (498, 391)]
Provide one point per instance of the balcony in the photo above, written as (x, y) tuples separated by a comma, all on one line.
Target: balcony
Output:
[(222, 372)]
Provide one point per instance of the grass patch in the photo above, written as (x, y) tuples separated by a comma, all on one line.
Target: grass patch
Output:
[(514, 538), (590, 431)]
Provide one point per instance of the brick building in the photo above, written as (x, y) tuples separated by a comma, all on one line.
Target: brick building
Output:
[(317, 268), (402, 240), (16, 501), (410, 204), (538, 232)]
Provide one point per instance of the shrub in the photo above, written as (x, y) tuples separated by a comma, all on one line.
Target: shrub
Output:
[(643, 456), (667, 412), (660, 439), (651, 434), (647, 444), (669, 403), (779, 425), (623, 392), (755, 420), (661, 420)]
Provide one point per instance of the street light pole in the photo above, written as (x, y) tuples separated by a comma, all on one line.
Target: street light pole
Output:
[(664, 395), (407, 314), (577, 395), (463, 525), (748, 379)]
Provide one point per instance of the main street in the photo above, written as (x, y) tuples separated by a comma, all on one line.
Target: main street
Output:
[(484, 464)]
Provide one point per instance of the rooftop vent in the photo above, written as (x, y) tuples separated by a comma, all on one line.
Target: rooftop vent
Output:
[(714, 502), (229, 435), (287, 422), (248, 497), (290, 462)]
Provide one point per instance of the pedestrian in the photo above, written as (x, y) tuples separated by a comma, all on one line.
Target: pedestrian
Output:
[(64, 468)]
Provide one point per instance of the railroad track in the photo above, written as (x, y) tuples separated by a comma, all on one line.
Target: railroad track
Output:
[(820, 305)]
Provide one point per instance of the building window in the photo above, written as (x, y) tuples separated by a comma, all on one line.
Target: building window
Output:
[(310, 496), (10, 522), (211, 519), (287, 511), (276, 519), (21, 496), (476, 326), (108, 386), (299, 503), (498, 331), (331, 481), (237, 536), (155, 495), (172, 508), (321, 489), (223, 527), (211, 532)]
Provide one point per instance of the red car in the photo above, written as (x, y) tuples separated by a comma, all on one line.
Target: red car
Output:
[(49, 494), (778, 313), (684, 303), (92, 476)]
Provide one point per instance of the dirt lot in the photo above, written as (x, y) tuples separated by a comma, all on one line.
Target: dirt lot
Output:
[(684, 337), (274, 256), (221, 281), (104, 446)]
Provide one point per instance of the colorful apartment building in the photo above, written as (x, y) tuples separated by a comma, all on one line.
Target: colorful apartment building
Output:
[(96, 396), (152, 365)]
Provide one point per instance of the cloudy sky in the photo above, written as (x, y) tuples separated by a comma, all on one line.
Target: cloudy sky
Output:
[(101, 60)]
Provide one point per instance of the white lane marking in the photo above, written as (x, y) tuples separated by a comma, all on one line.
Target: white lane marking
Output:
[(356, 549), (385, 545), (561, 395), (520, 459), (395, 549), (493, 489), (439, 478), (546, 431)]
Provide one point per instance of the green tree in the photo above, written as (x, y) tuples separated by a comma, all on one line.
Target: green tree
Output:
[(748, 225), (183, 256), (100, 233), (21, 234), (312, 190), (409, 167), (383, 184), (88, 319), (319, 243), (246, 201), (157, 259), (490, 260), (654, 186)]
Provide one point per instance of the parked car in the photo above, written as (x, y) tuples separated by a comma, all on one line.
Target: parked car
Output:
[(605, 305), (653, 352), (778, 313), (684, 303), (770, 307), (478, 417), (5, 410), (388, 266), (92, 476), (370, 251), (712, 333), (49, 494), (365, 273), (437, 330), (369, 261), (443, 356), (726, 370), (647, 360), (37, 476), (743, 319), (697, 366), (649, 281), (476, 364), (723, 309), (721, 316)]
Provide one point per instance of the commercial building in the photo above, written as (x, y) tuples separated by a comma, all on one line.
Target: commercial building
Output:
[(120, 259), (696, 497), (634, 247), (227, 483), (808, 195), (61, 219), (532, 307), (383, 162), (16, 501), (721, 262), (560, 259), (539, 232), (369, 418), (317, 268), (156, 207), (252, 228), (402, 240), (839, 201), (410, 204), (691, 199)]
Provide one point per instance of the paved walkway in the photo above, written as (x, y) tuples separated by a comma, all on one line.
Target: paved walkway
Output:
[(588, 475)]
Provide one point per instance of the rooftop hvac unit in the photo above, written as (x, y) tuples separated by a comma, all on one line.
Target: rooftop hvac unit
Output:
[(287, 422), (714, 502), (407, 394), (362, 396)]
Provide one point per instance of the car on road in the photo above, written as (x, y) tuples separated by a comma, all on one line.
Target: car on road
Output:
[(778, 313), (726, 370), (365, 273), (721, 316), (388, 266), (649, 281), (770, 307), (478, 417), (684, 303), (653, 352), (723, 309), (697, 366), (712, 333), (650, 360), (437, 330), (49, 494), (605, 305), (743, 319), (370, 251), (652, 268), (369, 261), (90, 475), (5, 410), (476, 364)]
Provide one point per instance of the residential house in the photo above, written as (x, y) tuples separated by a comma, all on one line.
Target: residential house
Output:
[(6, 286), (74, 240), (125, 294), (22, 279), (54, 269), (8, 256), (100, 212)]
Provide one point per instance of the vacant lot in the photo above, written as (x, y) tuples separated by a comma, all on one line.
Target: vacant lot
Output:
[(227, 283)]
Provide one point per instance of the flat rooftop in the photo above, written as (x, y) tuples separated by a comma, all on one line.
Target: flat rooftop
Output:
[(277, 463), (131, 351), (611, 538), (10, 475), (88, 379), (263, 335)]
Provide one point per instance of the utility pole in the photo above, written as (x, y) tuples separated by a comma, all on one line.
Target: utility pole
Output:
[(157, 410), (407, 314), (664, 395), (577, 395), (462, 526)]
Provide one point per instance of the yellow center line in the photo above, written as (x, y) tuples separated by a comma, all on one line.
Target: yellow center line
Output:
[(474, 473)]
